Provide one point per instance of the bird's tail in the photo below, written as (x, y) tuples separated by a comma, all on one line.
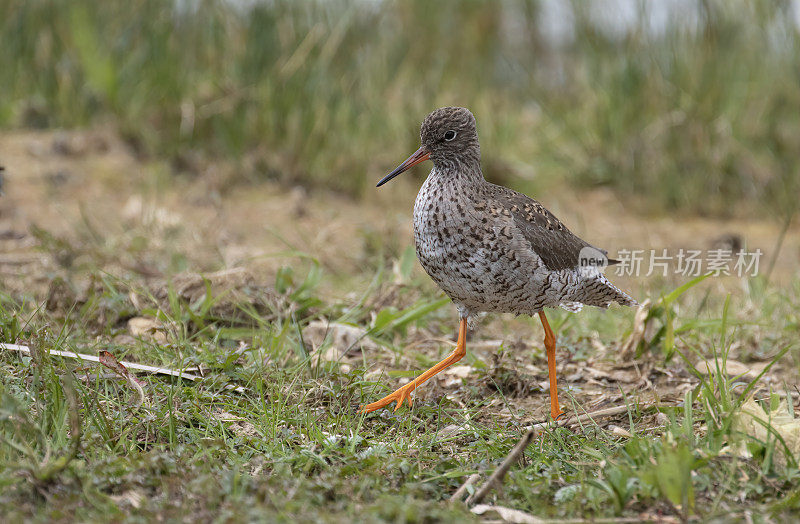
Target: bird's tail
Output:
[(600, 292)]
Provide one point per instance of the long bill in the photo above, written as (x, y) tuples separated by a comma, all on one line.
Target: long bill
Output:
[(420, 155)]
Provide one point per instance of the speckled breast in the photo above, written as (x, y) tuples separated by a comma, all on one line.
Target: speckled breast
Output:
[(466, 254)]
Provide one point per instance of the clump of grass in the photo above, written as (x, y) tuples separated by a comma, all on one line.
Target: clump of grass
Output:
[(699, 114), (293, 446)]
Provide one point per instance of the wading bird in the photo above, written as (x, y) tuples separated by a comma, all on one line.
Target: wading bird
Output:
[(492, 249)]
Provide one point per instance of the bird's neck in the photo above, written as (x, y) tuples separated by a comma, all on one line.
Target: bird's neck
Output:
[(467, 171)]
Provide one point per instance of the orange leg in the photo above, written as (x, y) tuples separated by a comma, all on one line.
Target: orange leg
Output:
[(550, 347), (402, 393)]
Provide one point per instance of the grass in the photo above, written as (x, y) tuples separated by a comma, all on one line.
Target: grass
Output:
[(75, 443), (699, 116)]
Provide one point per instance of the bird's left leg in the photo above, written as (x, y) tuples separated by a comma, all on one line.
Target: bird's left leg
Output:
[(402, 393)]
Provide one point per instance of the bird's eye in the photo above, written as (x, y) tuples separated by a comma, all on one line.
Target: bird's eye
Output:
[(450, 135)]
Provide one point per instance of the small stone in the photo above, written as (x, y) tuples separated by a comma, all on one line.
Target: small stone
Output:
[(147, 328), (620, 432)]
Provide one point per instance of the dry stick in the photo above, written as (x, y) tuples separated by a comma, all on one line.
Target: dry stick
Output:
[(463, 489), (572, 420), (499, 473), (515, 453), (129, 365)]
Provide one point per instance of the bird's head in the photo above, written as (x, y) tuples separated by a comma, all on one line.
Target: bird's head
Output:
[(449, 138)]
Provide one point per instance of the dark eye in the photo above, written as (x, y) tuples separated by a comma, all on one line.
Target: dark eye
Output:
[(450, 135)]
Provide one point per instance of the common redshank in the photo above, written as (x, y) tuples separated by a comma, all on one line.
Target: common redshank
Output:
[(492, 249)]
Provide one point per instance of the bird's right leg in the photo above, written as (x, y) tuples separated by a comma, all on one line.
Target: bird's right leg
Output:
[(550, 349)]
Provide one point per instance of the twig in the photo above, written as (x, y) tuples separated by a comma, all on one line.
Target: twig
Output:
[(129, 365), (497, 477), (573, 420), (500, 472), (463, 489), (110, 361)]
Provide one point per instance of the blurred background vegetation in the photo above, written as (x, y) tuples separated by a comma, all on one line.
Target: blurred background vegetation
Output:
[(693, 105)]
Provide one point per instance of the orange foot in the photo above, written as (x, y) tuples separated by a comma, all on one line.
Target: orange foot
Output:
[(557, 414), (400, 395)]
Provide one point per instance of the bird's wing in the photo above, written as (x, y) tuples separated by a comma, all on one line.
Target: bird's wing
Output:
[(556, 245)]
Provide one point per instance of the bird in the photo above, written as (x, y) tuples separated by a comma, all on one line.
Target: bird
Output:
[(493, 249)]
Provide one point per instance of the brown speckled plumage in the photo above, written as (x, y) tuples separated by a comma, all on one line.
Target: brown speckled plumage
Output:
[(491, 248)]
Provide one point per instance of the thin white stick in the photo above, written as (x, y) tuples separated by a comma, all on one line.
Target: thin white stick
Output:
[(129, 365)]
